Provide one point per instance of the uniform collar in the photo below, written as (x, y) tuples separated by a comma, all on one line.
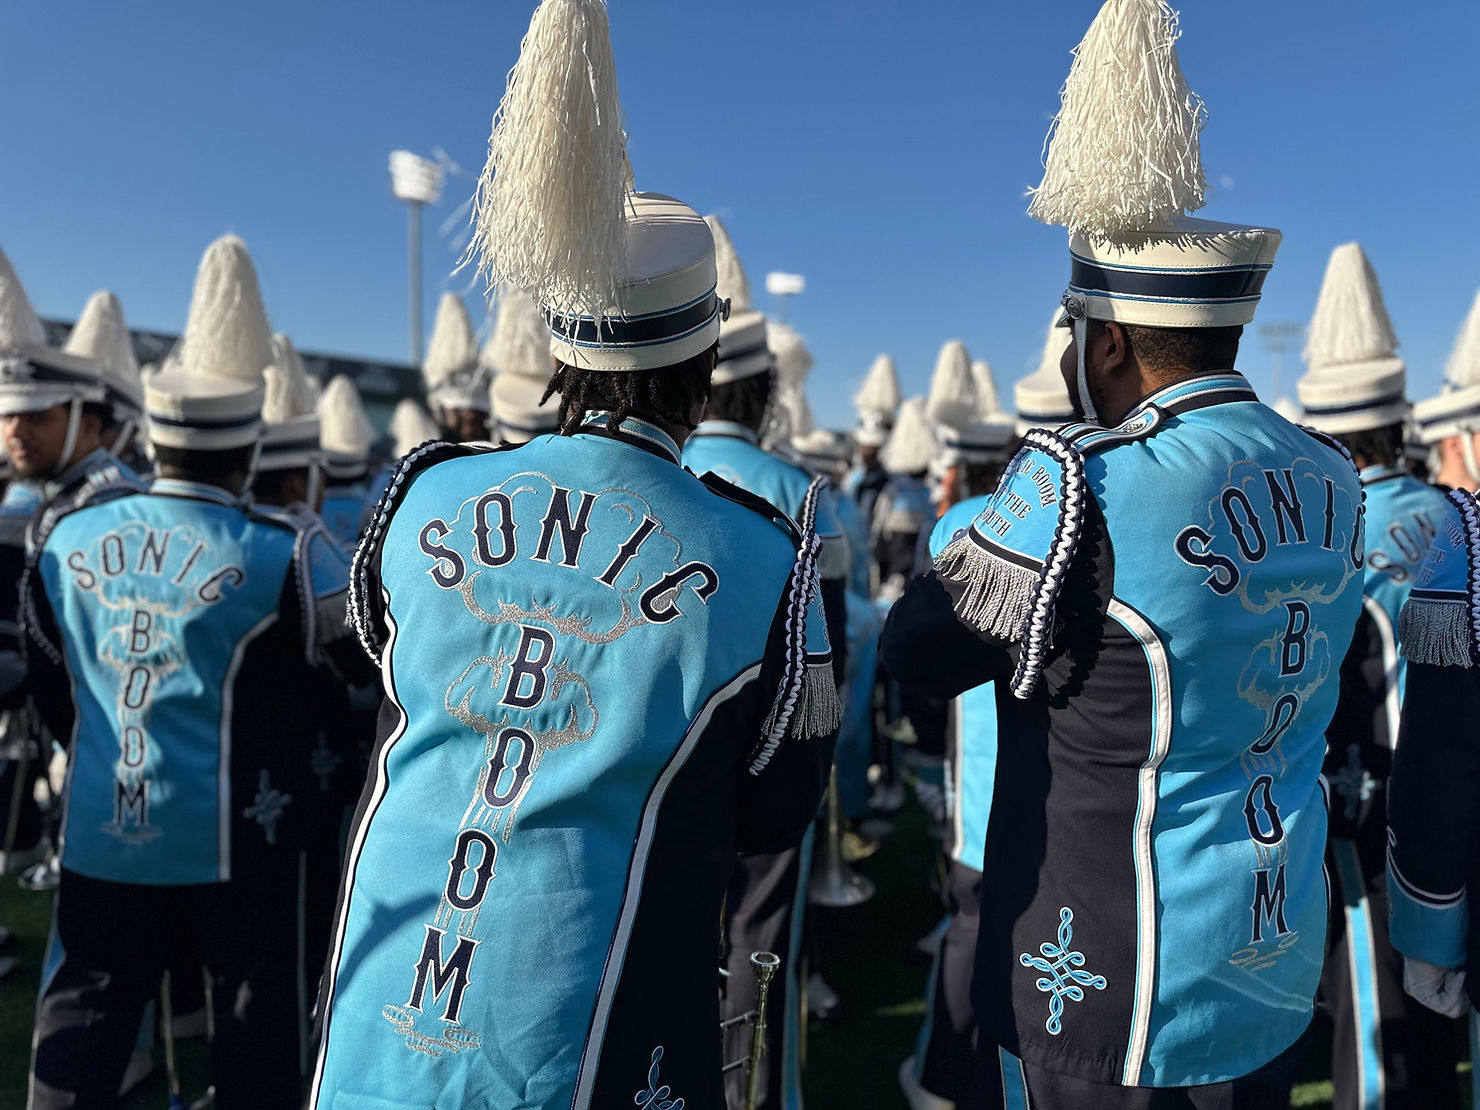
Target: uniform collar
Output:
[(729, 429), (638, 433), (1380, 472), (1200, 392), (193, 491), (75, 473)]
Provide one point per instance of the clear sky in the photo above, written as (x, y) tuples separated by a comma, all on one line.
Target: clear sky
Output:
[(879, 147)]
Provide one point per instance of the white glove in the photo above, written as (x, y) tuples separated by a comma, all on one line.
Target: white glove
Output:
[(1441, 989)]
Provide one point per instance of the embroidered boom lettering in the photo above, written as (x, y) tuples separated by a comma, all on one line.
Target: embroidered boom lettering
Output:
[(482, 871), (536, 650), (451, 977), (1269, 904)]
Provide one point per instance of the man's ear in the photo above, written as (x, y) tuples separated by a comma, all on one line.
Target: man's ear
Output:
[(1115, 347)]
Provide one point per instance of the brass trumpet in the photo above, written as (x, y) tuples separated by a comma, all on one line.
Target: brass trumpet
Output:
[(764, 965)]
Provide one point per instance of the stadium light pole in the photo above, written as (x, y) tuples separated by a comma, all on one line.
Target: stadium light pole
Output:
[(785, 286), (417, 182), (1279, 337)]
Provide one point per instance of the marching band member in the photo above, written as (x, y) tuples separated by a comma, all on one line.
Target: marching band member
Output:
[(521, 403), (1450, 423), (345, 437), (102, 335), (1387, 1051), (625, 668), (1160, 593), (942, 1073), (877, 401), (767, 898), (457, 382), (183, 715)]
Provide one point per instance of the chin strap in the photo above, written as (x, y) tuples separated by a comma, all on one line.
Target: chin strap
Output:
[(125, 433), (252, 466), (69, 445), (315, 484), (1074, 306), (1467, 445)]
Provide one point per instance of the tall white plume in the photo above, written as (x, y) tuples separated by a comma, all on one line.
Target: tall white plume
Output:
[(290, 393), (18, 320), (344, 427), (1351, 323), (953, 400), (549, 206), (879, 396), (794, 360), (912, 445), (988, 399), (410, 427), (454, 345), (732, 280), (101, 334), (1463, 367), (521, 340), (1124, 153), (226, 333)]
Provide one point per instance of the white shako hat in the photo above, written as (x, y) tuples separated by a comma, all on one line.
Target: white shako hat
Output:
[(1124, 168), (877, 402), (520, 349), (454, 377), (1355, 381), (33, 377), (209, 396), (410, 427), (345, 432), (291, 429), (626, 280), (912, 444), (1042, 398), (985, 438), (822, 449), (101, 335), (791, 410), (1456, 411)]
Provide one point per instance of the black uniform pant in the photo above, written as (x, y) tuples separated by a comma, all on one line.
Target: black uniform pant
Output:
[(1014, 1085), (765, 903), (1387, 1050), (945, 1059), (110, 945)]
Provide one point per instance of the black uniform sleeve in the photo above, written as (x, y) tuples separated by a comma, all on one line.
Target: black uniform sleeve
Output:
[(926, 647), (1358, 748), (47, 684), (1433, 818), (835, 607)]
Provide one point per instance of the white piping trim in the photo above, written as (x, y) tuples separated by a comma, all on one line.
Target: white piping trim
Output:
[(617, 952), (1391, 698), (223, 755), (352, 859), (958, 820), (1161, 742)]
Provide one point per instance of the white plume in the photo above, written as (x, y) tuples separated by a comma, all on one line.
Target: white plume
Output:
[(453, 345), (227, 333), (912, 445), (521, 338), (549, 206), (879, 396), (1351, 322), (793, 360), (1463, 367), (345, 429), (290, 394), (953, 400), (732, 280), (410, 427), (1124, 153), (101, 334), (988, 400), (18, 320)]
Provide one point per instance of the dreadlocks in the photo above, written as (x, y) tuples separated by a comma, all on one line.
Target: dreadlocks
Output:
[(668, 395)]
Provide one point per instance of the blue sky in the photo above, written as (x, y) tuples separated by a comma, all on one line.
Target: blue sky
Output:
[(879, 147)]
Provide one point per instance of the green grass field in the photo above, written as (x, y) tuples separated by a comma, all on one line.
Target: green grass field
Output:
[(852, 1060)]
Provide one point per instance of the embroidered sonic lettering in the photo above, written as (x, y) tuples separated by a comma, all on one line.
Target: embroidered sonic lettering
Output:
[(1063, 978), (656, 1097)]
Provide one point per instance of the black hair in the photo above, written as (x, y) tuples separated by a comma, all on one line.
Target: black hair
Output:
[(1165, 351), (271, 486), (667, 395), (104, 413), (1376, 446), (211, 467), (743, 402)]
